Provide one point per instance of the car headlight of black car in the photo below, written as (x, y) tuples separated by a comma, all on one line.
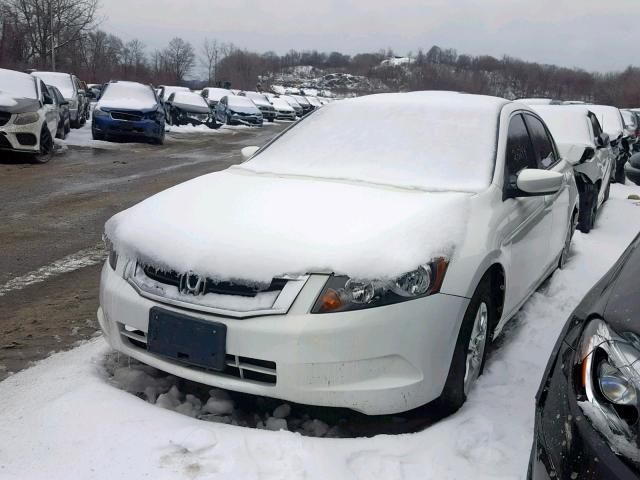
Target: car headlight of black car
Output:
[(609, 376), (342, 294)]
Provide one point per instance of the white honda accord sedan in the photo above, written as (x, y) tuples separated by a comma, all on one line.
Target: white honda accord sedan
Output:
[(364, 258)]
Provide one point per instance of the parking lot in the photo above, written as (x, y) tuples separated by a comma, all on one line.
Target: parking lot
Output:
[(53, 221)]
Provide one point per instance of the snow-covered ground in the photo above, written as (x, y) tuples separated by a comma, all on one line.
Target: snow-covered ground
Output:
[(81, 137), (75, 415)]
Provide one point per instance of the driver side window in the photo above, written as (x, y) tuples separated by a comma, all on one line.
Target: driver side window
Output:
[(519, 154)]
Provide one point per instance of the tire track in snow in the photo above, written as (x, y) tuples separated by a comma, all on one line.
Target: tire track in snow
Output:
[(81, 259)]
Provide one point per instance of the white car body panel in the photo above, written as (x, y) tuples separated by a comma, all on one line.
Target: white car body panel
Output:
[(386, 359)]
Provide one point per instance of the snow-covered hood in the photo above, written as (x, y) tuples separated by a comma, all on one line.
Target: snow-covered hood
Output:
[(18, 105), (240, 225)]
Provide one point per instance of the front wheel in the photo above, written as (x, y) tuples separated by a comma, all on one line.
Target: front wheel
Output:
[(588, 208), (47, 147), (620, 176), (470, 351)]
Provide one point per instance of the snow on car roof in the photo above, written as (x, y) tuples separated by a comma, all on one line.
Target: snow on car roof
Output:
[(189, 98), (15, 85), (62, 81), (429, 140), (128, 95), (215, 93), (610, 119), (568, 124)]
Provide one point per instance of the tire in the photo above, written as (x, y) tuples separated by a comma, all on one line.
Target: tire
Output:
[(564, 255), (47, 147), (158, 140), (67, 127), (620, 176), (607, 192), (458, 383), (228, 120), (97, 136), (588, 207)]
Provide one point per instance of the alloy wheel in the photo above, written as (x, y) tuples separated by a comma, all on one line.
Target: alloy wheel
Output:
[(476, 347)]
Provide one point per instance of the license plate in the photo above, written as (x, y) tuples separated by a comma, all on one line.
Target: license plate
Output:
[(187, 339)]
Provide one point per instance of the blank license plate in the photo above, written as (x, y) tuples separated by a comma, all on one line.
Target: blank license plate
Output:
[(187, 339)]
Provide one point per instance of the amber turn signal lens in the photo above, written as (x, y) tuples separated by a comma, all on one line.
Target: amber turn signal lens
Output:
[(330, 301)]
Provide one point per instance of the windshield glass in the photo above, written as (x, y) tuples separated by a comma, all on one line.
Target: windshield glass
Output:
[(432, 142), (128, 95), (62, 81), (17, 84)]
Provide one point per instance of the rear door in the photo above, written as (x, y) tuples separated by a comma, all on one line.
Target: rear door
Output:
[(530, 219)]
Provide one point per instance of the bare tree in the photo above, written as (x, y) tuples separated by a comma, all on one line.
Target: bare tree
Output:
[(179, 57), (53, 24), (211, 51)]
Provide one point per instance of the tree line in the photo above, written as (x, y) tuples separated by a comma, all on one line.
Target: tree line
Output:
[(65, 35)]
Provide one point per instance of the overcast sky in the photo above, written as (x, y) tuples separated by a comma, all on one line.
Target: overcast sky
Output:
[(591, 34)]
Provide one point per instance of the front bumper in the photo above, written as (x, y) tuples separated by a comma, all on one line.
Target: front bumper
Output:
[(20, 138), (565, 444), (108, 126), (377, 361)]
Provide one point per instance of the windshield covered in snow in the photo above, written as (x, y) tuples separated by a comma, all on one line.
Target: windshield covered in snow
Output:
[(257, 97), (281, 103), (190, 98), (62, 81), (568, 124), (236, 101), (128, 95), (17, 84), (430, 141)]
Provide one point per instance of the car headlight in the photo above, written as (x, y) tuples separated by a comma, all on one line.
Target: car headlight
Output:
[(98, 112), (26, 118), (609, 366), (341, 293)]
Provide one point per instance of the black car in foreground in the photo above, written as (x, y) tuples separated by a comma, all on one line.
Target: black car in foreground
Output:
[(588, 405)]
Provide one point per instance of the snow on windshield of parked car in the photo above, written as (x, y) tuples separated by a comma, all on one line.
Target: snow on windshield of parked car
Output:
[(248, 227), (15, 85), (568, 124), (610, 120), (238, 102), (62, 81), (281, 104), (438, 141), (190, 98), (128, 95)]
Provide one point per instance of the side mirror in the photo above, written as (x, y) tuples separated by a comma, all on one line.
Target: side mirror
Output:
[(248, 152), (602, 140), (533, 181)]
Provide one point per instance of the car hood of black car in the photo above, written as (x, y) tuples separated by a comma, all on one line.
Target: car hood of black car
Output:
[(622, 311)]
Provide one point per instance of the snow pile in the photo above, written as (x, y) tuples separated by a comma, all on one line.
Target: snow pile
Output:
[(64, 419), (190, 129), (245, 226), (430, 141), (15, 85), (7, 100), (128, 95)]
